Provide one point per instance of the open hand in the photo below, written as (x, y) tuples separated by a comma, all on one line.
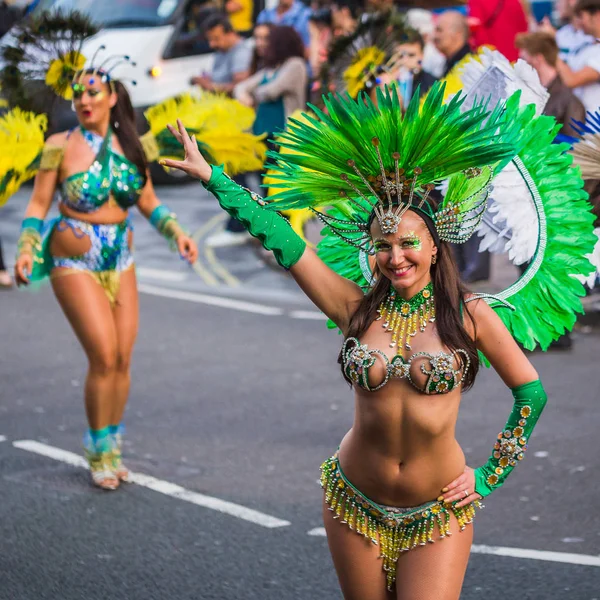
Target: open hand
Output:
[(462, 489), (193, 164), (187, 248), (23, 268)]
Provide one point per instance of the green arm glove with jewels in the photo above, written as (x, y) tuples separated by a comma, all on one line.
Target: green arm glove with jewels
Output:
[(273, 230), (530, 399)]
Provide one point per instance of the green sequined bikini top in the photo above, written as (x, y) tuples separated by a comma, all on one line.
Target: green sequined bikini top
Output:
[(439, 369), (111, 174)]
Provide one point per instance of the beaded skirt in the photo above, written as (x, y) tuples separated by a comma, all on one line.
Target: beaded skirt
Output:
[(395, 530)]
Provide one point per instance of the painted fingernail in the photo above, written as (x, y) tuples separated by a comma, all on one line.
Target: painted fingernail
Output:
[(440, 498), (444, 490)]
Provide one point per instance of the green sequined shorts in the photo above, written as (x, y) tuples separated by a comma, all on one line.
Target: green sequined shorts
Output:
[(396, 530)]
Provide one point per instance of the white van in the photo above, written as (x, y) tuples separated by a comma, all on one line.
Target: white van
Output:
[(158, 35), (162, 37)]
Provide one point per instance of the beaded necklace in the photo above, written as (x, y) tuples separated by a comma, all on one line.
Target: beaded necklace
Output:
[(403, 318)]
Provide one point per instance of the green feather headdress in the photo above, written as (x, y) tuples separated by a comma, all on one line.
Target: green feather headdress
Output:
[(360, 157)]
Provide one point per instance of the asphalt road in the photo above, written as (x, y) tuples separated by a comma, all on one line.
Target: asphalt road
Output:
[(243, 407)]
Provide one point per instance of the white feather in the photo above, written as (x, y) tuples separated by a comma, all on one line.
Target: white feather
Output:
[(510, 223), (494, 77)]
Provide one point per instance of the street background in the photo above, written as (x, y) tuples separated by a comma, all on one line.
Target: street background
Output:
[(241, 400)]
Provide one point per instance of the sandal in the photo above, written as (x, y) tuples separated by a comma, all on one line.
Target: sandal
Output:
[(119, 469), (101, 470)]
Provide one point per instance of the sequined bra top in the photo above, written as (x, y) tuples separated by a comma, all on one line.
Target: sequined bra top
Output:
[(111, 174), (441, 375)]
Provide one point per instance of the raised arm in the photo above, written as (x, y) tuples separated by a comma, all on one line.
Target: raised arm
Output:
[(335, 296), (44, 186)]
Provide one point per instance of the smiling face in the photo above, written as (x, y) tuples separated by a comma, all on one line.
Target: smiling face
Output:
[(405, 257), (93, 100)]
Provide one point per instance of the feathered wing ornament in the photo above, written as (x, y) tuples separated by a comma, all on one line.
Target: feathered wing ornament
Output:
[(220, 125), (556, 242), (41, 61), (355, 60), (537, 212), (21, 143)]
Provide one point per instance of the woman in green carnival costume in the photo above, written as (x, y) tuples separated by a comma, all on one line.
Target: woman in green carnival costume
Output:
[(101, 172), (413, 336)]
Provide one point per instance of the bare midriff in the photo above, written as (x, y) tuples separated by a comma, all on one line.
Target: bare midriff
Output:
[(108, 214), (402, 450)]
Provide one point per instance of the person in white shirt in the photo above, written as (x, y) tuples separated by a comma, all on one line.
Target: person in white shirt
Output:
[(582, 71)]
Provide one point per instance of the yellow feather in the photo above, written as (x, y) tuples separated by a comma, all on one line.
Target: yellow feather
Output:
[(298, 218), (218, 122), (21, 142), (362, 66)]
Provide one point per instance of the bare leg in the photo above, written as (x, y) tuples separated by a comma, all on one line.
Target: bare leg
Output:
[(356, 560), (126, 319), (126, 316), (436, 570), (88, 310)]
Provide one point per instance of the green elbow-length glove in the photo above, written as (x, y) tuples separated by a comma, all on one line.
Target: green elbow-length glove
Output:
[(530, 399), (273, 230)]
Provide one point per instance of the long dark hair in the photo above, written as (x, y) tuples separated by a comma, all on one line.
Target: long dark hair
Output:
[(284, 43), (257, 61), (122, 120), (449, 293)]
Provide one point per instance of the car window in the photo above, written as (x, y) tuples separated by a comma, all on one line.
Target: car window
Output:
[(118, 13), (189, 39)]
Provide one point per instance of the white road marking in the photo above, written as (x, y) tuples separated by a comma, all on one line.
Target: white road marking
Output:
[(161, 274), (545, 555), (161, 486), (312, 315), (2, 438), (240, 305), (561, 557)]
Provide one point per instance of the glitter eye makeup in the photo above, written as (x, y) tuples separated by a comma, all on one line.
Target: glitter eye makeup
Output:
[(411, 241), (408, 241), (78, 90)]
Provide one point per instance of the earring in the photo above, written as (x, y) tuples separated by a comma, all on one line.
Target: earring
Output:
[(434, 259), (116, 125)]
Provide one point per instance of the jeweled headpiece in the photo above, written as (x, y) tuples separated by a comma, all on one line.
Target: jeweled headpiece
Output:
[(103, 70)]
